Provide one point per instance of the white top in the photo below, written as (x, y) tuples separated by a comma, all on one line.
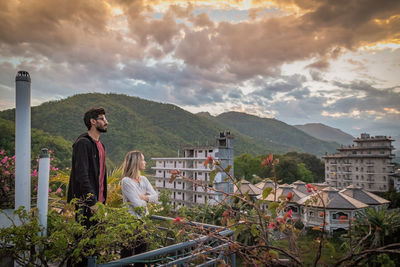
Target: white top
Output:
[(131, 190)]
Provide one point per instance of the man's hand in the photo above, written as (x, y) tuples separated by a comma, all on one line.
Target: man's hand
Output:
[(94, 208)]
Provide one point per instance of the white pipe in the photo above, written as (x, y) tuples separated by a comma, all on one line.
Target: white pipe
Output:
[(43, 188), (23, 140)]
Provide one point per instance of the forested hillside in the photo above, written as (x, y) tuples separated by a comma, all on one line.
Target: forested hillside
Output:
[(266, 130), (160, 129), (326, 133), (156, 129), (58, 145)]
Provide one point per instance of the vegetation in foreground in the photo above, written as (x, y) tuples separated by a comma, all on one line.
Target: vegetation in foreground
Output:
[(261, 237)]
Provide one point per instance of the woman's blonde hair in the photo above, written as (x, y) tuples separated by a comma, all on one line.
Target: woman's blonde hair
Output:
[(131, 167)]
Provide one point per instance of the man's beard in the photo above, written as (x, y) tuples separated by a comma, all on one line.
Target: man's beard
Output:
[(101, 129)]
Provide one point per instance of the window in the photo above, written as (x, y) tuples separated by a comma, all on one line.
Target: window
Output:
[(179, 193), (210, 151), (199, 196), (340, 215), (311, 213)]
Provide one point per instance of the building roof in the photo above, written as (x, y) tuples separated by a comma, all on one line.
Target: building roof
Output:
[(266, 183), (283, 191), (247, 187), (363, 196), (334, 199), (321, 186), (300, 186)]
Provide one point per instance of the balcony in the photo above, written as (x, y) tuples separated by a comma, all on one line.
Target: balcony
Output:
[(213, 247)]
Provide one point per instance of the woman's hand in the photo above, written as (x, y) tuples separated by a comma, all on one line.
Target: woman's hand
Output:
[(144, 197)]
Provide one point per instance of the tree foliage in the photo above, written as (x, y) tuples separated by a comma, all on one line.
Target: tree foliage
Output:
[(292, 166)]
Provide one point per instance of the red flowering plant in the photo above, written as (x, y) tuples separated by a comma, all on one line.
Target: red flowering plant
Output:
[(57, 186), (7, 181), (255, 222), (259, 224)]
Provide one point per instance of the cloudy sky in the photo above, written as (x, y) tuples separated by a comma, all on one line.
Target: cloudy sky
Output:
[(300, 61)]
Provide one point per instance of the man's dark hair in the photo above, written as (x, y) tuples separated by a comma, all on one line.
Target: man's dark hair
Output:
[(92, 113)]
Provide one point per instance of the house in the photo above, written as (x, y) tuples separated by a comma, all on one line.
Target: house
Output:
[(340, 209), (282, 192), (364, 196)]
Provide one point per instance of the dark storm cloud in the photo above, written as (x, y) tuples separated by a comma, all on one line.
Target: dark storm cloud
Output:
[(368, 97), (281, 85)]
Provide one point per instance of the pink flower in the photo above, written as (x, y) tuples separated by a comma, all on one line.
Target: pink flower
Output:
[(50, 151), (2, 152), (2, 180), (271, 225), (51, 159), (34, 172), (13, 157), (209, 158), (177, 220), (49, 189), (4, 160), (35, 189), (289, 214), (7, 189), (62, 194), (67, 168), (7, 173), (58, 190)]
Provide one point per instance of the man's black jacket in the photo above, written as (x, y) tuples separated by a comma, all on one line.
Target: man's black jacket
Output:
[(84, 177)]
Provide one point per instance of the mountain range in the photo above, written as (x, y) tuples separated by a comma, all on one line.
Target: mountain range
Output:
[(160, 129), (326, 133)]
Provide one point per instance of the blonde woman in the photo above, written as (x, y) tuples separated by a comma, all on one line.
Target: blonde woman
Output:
[(136, 189)]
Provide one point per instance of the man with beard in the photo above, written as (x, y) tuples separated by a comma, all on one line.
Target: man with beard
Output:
[(88, 180)]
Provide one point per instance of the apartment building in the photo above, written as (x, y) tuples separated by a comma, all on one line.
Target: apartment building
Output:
[(367, 163), (195, 187)]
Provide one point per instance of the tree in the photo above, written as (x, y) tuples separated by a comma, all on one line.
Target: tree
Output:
[(246, 166), (304, 174)]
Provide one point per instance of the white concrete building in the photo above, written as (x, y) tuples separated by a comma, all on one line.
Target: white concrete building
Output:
[(194, 188), (396, 180), (367, 164)]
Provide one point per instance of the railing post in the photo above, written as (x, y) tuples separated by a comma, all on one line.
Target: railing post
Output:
[(92, 261), (23, 140), (43, 188)]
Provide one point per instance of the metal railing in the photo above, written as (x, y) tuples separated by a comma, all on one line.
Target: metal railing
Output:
[(213, 249)]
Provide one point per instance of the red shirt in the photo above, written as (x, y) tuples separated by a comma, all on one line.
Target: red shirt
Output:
[(102, 160)]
